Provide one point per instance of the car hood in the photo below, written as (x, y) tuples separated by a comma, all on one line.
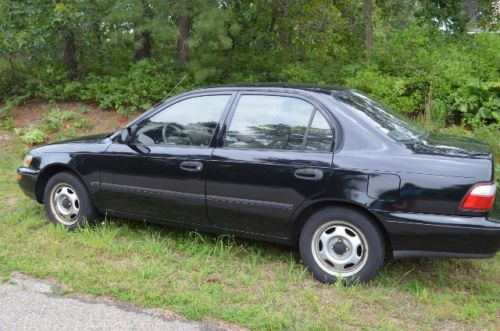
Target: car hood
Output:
[(92, 139), (449, 145), (93, 143)]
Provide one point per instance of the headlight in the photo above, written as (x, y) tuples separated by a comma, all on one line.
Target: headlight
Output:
[(27, 161)]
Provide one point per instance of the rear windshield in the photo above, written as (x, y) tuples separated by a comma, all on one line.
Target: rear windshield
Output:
[(393, 124)]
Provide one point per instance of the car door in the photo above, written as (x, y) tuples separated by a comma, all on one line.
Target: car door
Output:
[(161, 173), (275, 152)]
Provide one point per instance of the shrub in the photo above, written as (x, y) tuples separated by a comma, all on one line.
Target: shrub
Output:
[(67, 134), (6, 122), (478, 102), (145, 84), (445, 79), (82, 123), (54, 118), (32, 136)]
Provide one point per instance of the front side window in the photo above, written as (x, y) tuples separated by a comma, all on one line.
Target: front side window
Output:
[(269, 122), (190, 122)]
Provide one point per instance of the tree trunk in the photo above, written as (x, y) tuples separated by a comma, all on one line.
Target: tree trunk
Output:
[(144, 51), (471, 9), (368, 14), (144, 37), (274, 16), (428, 105), (184, 25), (70, 54)]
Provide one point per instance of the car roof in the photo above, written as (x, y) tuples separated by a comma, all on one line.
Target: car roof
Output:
[(276, 87)]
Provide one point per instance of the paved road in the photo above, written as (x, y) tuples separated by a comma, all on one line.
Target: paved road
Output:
[(30, 304)]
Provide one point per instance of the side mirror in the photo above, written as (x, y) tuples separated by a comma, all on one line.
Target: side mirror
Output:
[(126, 134)]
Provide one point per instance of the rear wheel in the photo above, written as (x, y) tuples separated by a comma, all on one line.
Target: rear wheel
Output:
[(67, 201), (342, 243)]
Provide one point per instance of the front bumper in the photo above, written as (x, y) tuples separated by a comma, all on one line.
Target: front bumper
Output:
[(425, 235), (27, 178)]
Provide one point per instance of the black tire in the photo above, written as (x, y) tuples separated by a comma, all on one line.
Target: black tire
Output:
[(348, 221), (87, 213)]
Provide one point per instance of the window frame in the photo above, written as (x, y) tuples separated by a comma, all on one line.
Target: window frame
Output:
[(306, 138), (183, 97), (317, 107)]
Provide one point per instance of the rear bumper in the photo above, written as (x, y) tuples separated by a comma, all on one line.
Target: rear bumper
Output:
[(425, 235), (27, 181)]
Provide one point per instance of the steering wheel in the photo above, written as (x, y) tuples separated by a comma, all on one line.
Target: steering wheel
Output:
[(178, 133)]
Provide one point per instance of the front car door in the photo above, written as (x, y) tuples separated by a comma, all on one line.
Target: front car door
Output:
[(161, 174), (275, 152)]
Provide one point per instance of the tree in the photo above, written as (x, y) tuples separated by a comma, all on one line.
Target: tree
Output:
[(368, 23), (471, 10), (73, 25), (67, 20), (24, 33), (184, 26), (68, 37), (143, 34)]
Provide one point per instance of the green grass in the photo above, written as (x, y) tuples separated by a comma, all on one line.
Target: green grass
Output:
[(256, 285)]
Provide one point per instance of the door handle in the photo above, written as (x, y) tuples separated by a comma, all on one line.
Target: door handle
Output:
[(193, 166), (308, 174)]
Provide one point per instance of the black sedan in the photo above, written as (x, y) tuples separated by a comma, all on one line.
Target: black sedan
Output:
[(329, 170)]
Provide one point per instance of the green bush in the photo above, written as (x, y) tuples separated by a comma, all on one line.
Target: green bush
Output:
[(478, 102), (82, 123), (445, 79), (54, 118), (145, 84), (32, 135), (6, 118), (67, 134), (7, 122), (297, 73)]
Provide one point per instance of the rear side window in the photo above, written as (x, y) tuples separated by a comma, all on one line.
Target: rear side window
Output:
[(276, 122), (320, 136), (391, 123)]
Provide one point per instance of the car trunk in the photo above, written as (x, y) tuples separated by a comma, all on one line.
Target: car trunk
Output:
[(454, 146), (471, 158)]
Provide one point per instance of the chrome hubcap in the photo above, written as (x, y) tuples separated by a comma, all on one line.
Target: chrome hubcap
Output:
[(339, 248), (65, 204)]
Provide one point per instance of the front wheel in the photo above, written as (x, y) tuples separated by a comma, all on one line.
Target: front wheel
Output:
[(67, 202), (342, 243)]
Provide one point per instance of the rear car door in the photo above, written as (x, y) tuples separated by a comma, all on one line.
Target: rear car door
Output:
[(161, 174), (274, 152)]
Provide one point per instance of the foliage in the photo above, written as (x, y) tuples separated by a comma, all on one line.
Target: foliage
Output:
[(454, 79), (125, 54), (57, 124), (32, 135), (139, 89), (7, 122), (6, 119), (479, 102), (55, 117), (83, 123)]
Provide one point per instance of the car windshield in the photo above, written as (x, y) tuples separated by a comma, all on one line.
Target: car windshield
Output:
[(393, 124)]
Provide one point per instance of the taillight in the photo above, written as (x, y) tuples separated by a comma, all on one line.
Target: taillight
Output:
[(480, 197)]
